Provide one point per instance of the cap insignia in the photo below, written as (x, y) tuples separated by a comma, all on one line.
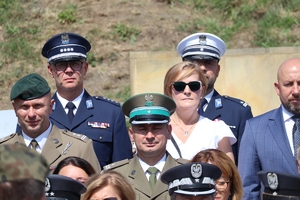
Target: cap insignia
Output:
[(149, 100), (272, 180), (196, 170), (47, 185), (65, 38), (202, 40)]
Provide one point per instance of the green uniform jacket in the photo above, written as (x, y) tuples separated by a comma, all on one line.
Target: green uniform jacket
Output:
[(61, 144), (133, 171)]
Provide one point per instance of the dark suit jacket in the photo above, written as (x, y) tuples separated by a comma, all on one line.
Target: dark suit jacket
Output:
[(102, 121), (234, 112), (133, 171), (56, 149), (264, 146)]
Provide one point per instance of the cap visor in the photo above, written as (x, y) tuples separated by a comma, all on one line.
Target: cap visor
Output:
[(199, 57), (149, 122), (67, 58), (195, 193)]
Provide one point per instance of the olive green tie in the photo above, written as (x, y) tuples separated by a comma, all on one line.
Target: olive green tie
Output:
[(34, 144), (152, 178)]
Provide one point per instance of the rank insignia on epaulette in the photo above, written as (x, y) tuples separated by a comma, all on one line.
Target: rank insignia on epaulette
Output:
[(98, 124), (218, 103), (272, 180), (244, 103), (89, 104)]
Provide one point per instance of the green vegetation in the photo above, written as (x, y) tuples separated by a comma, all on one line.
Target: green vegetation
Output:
[(24, 25), (124, 33), (269, 22), (68, 15)]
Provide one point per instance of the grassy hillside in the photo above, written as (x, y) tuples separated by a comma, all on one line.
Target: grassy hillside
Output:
[(116, 27)]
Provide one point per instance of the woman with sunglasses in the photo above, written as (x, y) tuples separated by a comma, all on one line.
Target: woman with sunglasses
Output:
[(229, 186), (186, 84)]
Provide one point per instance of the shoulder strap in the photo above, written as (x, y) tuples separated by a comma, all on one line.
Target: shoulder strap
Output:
[(176, 146)]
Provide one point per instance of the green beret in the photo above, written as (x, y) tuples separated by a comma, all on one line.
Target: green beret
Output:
[(29, 87), (19, 162), (149, 108)]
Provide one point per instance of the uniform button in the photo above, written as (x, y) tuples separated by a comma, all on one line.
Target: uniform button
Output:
[(133, 172), (100, 137), (55, 141)]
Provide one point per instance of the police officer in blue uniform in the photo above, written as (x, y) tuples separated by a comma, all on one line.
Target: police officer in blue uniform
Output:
[(206, 49), (192, 181), (279, 186), (99, 118)]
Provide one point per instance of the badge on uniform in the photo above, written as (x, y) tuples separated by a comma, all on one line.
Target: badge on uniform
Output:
[(218, 103), (89, 104), (48, 188), (272, 180), (202, 40), (98, 124), (196, 170), (54, 105), (65, 38)]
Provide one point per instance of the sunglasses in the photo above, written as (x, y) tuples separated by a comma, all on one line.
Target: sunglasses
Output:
[(193, 85)]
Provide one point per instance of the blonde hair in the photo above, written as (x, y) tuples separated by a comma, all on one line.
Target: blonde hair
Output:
[(188, 68), (228, 168), (109, 178)]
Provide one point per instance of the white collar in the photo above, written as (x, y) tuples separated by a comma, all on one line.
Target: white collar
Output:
[(159, 165), (209, 96), (41, 139), (286, 114), (64, 101)]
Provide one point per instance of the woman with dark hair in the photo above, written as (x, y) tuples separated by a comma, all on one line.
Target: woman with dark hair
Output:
[(75, 168), (229, 186)]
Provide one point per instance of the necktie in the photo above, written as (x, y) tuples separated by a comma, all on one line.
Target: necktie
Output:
[(296, 133), (34, 144), (203, 102), (70, 105), (152, 178)]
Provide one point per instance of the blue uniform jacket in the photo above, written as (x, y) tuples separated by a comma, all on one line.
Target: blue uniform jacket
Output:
[(103, 121), (234, 112)]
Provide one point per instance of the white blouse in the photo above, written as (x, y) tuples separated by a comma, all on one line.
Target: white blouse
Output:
[(206, 135)]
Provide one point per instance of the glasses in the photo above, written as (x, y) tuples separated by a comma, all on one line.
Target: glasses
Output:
[(221, 185), (107, 198), (193, 85), (62, 66)]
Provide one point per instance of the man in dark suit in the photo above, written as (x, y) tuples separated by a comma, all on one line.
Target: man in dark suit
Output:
[(270, 140), (99, 118), (149, 115), (206, 50), (31, 99)]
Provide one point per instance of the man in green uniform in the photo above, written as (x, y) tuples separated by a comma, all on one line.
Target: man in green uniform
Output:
[(23, 173), (149, 116), (31, 99)]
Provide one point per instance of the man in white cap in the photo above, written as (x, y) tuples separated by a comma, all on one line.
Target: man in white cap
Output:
[(206, 50)]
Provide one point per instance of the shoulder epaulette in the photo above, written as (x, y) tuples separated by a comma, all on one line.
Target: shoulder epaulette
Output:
[(238, 101), (101, 98), (116, 164), (7, 137), (78, 136), (182, 160)]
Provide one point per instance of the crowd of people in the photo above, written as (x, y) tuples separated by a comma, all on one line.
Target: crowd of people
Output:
[(191, 143)]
